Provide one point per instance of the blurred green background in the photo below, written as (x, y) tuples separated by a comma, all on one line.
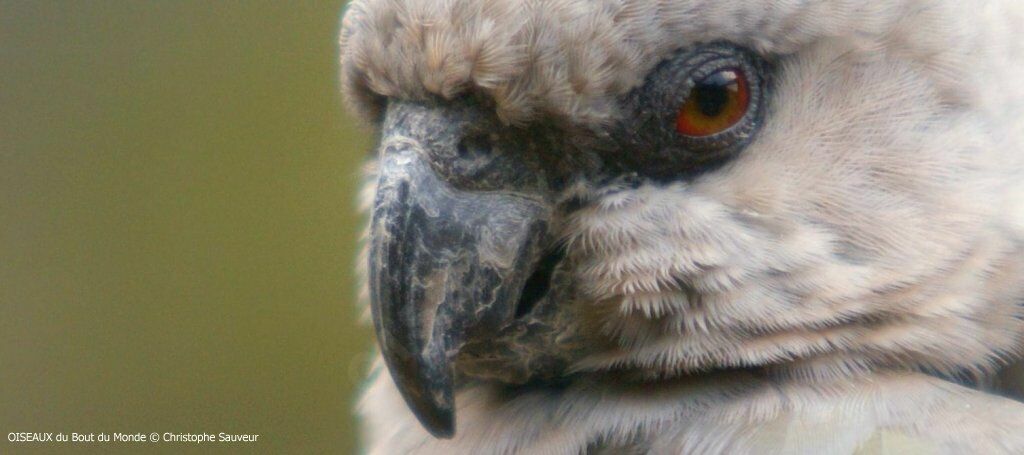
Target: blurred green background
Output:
[(177, 224)]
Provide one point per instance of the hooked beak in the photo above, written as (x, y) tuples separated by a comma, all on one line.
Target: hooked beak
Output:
[(446, 266)]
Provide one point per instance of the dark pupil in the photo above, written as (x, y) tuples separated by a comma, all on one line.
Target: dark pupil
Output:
[(712, 92)]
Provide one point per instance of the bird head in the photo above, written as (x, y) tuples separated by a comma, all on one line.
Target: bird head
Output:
[(649, 189)]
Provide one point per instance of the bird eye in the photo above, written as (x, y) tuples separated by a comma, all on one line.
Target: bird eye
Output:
[(695, 110), (715, 103)]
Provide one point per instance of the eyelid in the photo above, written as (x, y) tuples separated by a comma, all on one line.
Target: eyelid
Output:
[(645, 135)]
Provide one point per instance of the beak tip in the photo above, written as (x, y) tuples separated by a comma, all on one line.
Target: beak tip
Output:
[(433, 409), (426, 386), (439, 422)]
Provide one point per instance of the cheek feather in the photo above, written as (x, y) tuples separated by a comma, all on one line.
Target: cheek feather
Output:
[(856, 233)]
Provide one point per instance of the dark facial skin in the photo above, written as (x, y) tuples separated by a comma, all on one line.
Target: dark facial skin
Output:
[(468, 280)]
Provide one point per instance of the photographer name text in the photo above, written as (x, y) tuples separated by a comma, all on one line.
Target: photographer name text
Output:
[(154, 437)]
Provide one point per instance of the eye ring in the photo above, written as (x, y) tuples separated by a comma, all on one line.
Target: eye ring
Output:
[(650, 136), (714, 104), (726, 136)]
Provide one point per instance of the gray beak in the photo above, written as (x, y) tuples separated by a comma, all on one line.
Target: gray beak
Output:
[(446, 265)]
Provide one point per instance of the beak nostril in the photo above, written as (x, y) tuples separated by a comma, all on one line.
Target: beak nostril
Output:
[(539, 282), (475, 146)]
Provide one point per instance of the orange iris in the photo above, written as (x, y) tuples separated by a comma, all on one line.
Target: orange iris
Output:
[(714, 104)]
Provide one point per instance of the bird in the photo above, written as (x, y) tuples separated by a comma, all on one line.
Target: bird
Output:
[(691, 226)]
